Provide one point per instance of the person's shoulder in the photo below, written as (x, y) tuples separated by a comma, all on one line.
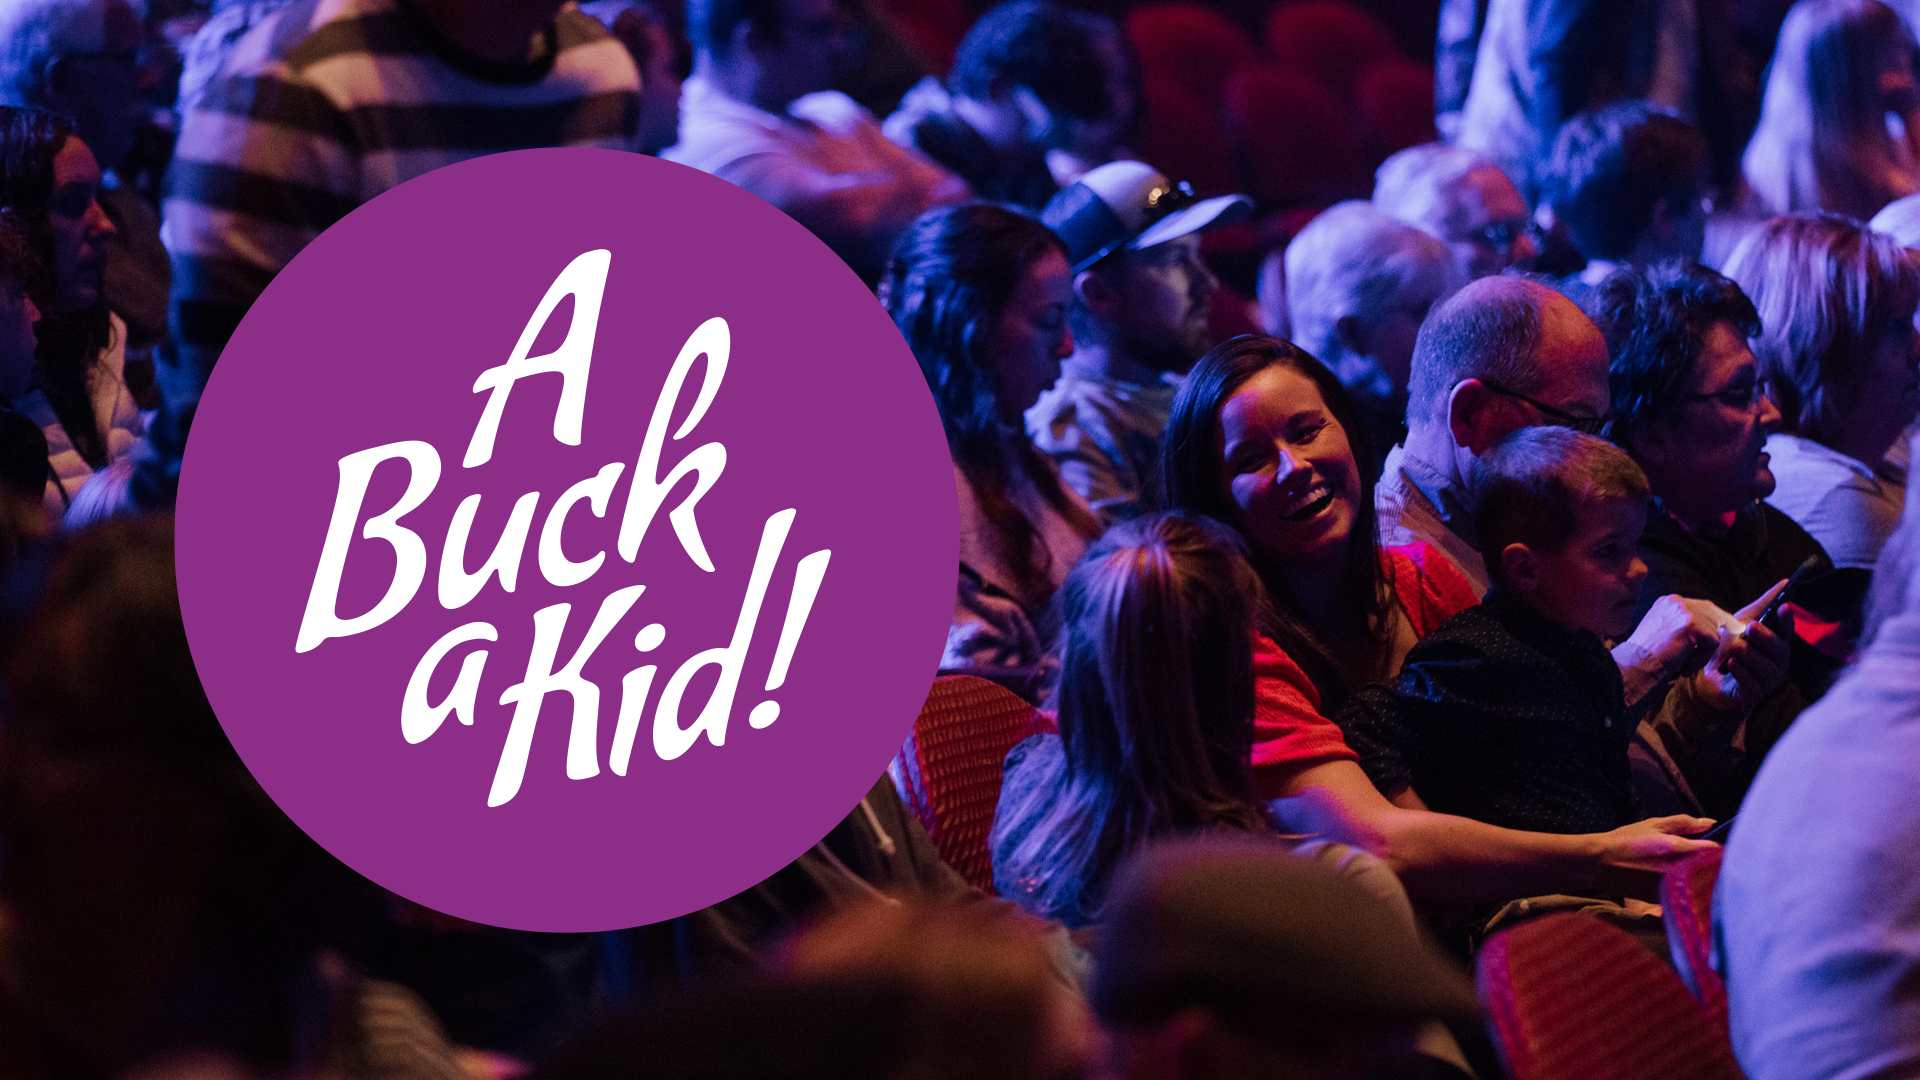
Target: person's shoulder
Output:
[(1440, 580), (834, 112)]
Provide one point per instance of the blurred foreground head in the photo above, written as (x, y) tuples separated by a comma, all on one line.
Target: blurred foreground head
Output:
[(1227, 958)]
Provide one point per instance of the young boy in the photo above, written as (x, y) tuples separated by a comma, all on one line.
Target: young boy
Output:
[(1513, 712)]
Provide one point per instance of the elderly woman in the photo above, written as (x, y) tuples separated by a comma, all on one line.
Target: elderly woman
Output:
[(1839, 354), (1359, 283), (1691, 405)]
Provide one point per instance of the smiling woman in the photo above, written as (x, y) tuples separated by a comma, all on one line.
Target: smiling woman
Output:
[(1260, 441)]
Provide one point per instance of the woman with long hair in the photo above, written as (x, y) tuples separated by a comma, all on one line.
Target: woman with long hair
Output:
[(1840, 118), (1155, 701), (980, 293), (1260, 439), (49, 183), (1841, 359)]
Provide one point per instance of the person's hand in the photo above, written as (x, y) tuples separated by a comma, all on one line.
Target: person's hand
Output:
[(1748, 662), (1677, 633), (1633, 857)]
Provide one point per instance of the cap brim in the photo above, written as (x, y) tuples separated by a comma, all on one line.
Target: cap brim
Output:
[(1205, 214)]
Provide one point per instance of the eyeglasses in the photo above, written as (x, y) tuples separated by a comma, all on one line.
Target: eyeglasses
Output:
[(1586, 425), (1748, 397), (1500, 235)]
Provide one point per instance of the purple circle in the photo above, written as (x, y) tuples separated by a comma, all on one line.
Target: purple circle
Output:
[(374, 337)]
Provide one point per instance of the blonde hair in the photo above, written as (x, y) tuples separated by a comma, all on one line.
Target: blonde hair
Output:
[(1826, 288), (1822, 141)]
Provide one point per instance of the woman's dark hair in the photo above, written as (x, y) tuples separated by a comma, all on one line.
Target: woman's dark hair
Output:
[(68, 341), (1656, 323), (1155, 696), (951, 274), (1192, 467)]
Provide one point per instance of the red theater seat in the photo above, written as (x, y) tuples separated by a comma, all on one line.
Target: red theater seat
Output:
[(1190, 43), (1686, 902), (1293, 140), (1569, 997), (1394, 101), (1328, 39), (948, 773)]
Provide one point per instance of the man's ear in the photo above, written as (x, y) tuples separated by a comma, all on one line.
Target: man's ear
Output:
[(1519, 567), (1469, 416), (1096, 292)]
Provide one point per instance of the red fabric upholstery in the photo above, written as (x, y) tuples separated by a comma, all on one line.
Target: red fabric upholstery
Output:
[(931, 28), (1191, 44), (1686, 901), (1182, 138), (1293, 139), (1394, 100), (1330, 40), (1569, 997), (949, 769)]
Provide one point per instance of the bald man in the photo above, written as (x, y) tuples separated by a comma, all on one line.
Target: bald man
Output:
[(1501, 354)]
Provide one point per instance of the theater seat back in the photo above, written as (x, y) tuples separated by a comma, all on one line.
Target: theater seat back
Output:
[(949, 771), (1569, 997)]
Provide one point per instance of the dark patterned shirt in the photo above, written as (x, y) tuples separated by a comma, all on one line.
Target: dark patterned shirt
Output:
[(1503, 716)]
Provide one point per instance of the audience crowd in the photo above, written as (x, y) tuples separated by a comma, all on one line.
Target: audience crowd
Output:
[(1423, 468)]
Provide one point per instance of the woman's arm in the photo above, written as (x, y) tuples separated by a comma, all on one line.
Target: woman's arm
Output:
[(1445, 858)]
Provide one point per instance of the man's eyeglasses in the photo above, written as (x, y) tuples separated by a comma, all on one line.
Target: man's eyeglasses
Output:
[(1500, 235), (1586, 425)]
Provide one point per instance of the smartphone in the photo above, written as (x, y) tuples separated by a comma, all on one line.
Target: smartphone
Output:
[(1719, 833), (1770, 617)]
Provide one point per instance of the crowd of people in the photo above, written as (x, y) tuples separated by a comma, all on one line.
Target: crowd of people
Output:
[(1418, 499)]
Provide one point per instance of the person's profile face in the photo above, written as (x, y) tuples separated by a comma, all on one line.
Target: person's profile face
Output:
[(1715, 439), (1592, 582), (1165, 303), (1289, 468), (80, 228), (1486, 224), (1029, 337)]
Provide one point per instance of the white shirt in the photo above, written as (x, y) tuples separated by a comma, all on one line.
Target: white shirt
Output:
[(1840, 501), (825, 163)]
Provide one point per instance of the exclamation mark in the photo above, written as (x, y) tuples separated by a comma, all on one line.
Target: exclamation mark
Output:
[(806, 586)]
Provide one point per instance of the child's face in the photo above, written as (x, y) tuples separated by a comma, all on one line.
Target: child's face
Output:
[(1593, 581)]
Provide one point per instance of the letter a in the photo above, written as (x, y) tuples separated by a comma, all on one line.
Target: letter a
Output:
[(585, 279)]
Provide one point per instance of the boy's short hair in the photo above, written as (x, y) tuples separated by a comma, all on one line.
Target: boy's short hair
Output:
[(1530, 488)]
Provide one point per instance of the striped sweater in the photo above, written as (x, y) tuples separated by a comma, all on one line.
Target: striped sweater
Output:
[(329, 103)]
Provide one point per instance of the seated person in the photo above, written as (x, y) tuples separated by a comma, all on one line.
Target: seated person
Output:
[(1628, 183), (1358, 286), (759, 111), (1462, 198), (1031, 77), (1514, 712), (1156, 703), (1691, 405)]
